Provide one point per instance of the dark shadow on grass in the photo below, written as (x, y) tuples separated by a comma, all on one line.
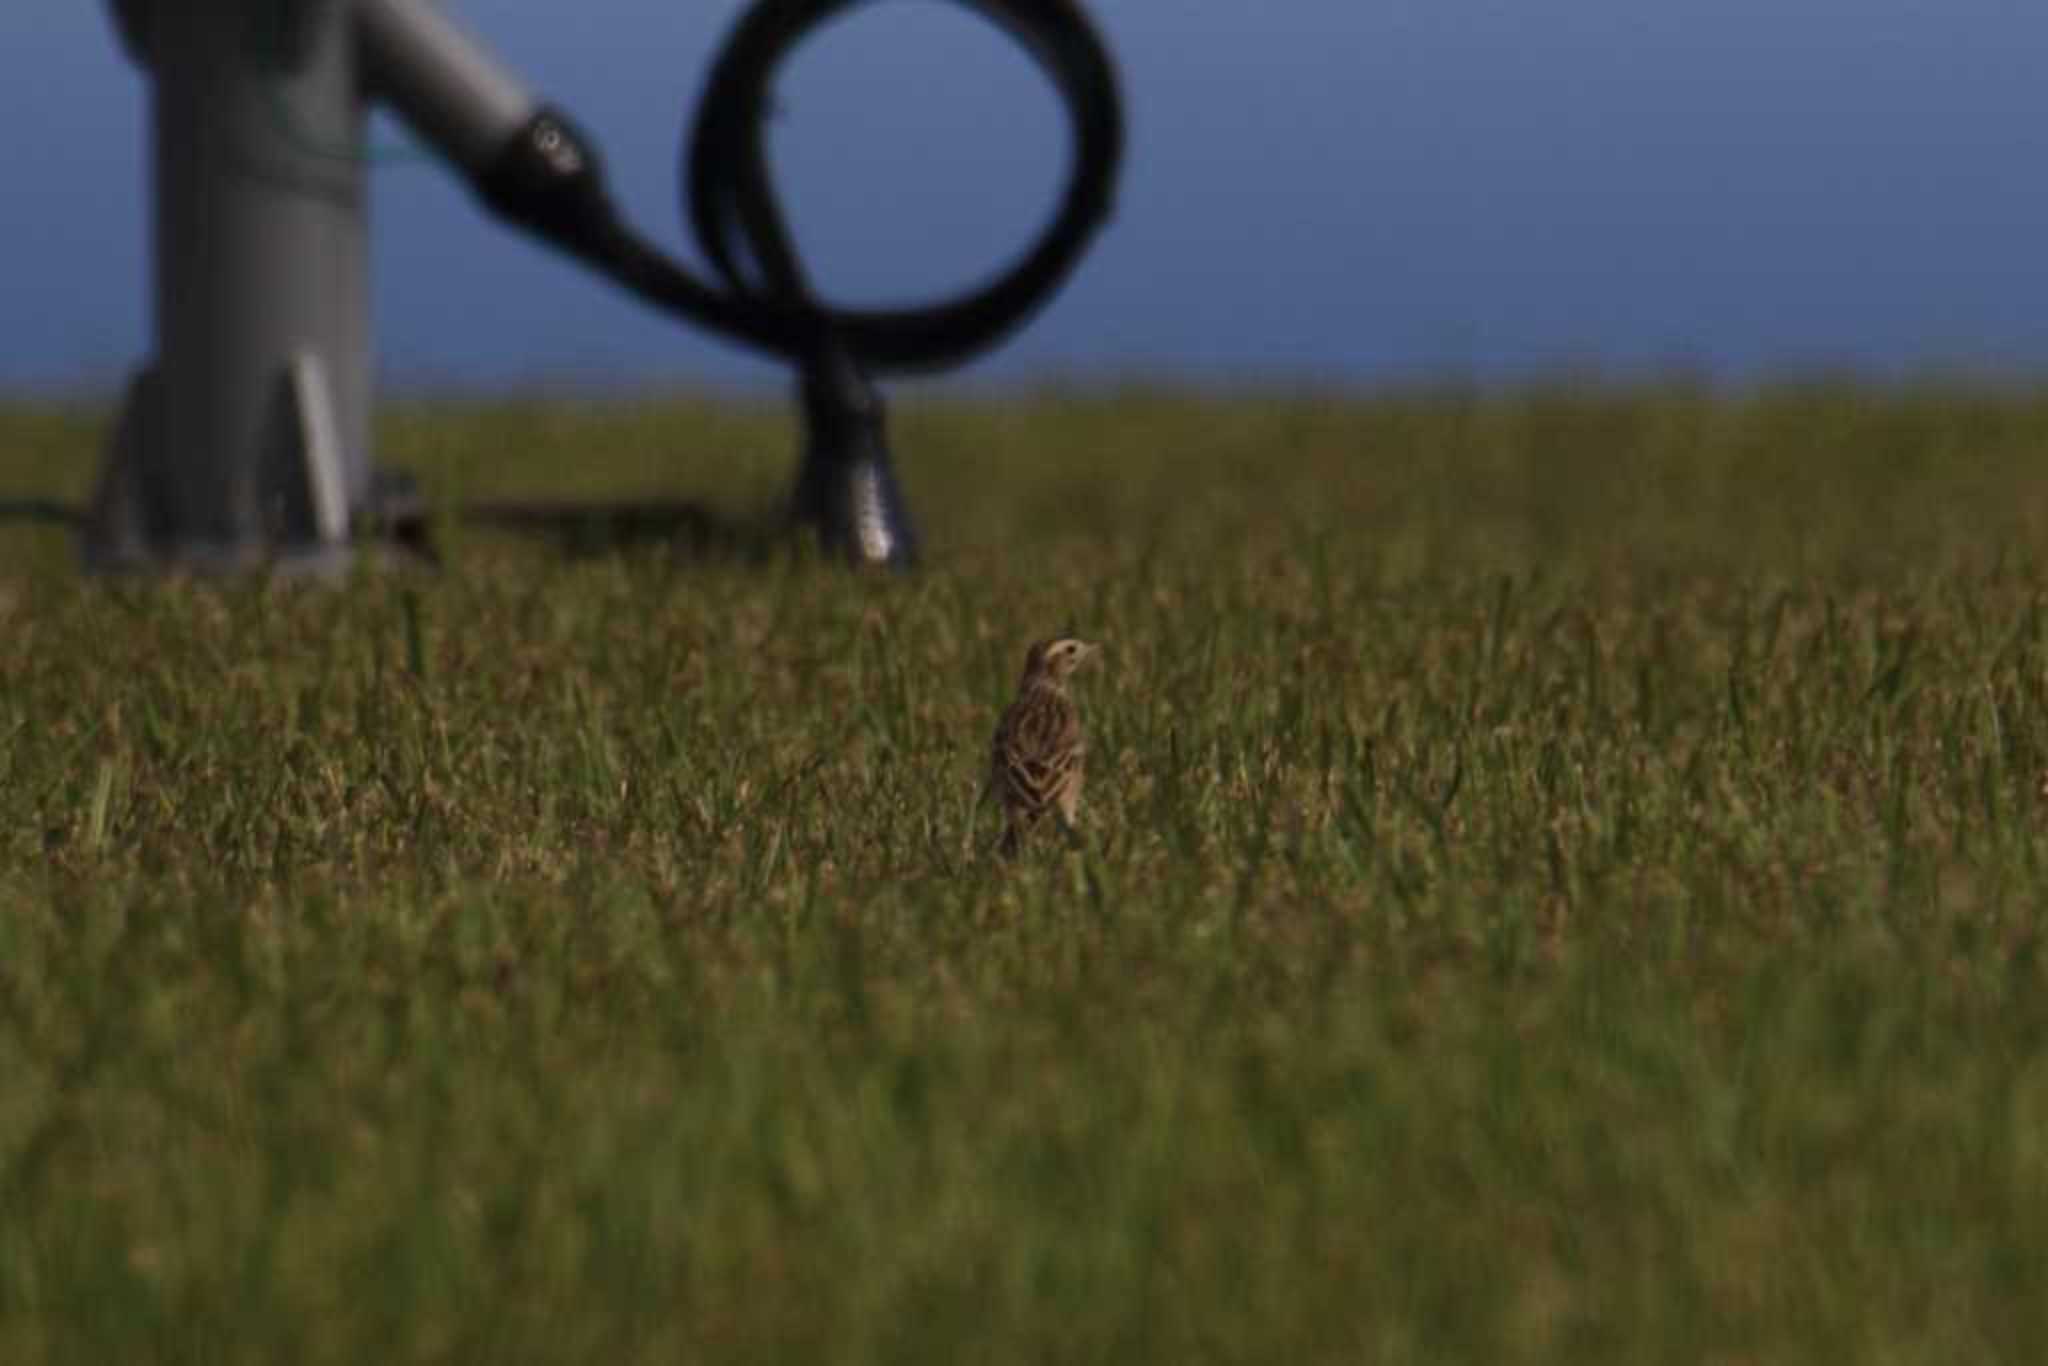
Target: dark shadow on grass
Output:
[(688, 529), (579, 529), (48, 511)]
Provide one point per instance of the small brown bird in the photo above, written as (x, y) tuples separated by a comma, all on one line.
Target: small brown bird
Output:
[(1036, 762)]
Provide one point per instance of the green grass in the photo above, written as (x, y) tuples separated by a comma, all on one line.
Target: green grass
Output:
[(1563, 882)]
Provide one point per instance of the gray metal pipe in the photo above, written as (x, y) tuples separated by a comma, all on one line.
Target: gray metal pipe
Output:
[(246, 438), (442, 82)]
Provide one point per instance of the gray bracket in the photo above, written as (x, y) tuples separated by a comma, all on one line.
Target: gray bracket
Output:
[(295, 494)]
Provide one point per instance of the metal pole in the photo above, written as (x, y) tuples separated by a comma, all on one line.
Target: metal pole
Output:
[(245, 440)]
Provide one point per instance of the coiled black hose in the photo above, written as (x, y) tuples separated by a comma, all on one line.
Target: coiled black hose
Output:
[(732, 204)]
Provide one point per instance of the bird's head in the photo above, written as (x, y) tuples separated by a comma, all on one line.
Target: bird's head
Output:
[(1052, 660)]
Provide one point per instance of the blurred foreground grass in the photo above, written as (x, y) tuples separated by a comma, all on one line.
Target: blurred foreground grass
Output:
[(1564, 883)]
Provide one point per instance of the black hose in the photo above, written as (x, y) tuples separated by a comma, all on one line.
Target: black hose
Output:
[(733, 209), (549, 180)]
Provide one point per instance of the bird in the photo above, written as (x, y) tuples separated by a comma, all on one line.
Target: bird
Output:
[(1038, 756)]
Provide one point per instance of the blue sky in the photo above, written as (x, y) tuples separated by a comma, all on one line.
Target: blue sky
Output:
[(1326, 190)]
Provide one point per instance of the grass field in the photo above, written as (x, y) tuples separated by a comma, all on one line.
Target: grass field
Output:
[(1563, 882)]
